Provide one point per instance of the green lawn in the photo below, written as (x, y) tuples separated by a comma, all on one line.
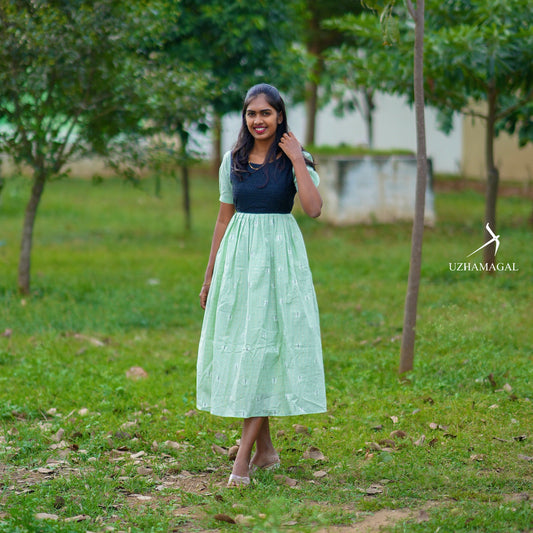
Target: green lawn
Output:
[(114, 286)]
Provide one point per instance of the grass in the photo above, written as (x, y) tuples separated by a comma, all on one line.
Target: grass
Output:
[(115, 284)]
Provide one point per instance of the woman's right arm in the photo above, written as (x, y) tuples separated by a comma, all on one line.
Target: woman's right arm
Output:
[(225, 213)]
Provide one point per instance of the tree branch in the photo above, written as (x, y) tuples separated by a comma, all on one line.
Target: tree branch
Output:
[(518, 105), (411, 8)]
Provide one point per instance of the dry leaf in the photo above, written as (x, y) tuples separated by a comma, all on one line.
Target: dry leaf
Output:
[(320, 474), (494, 406), (394, 419), (286, 480), (520, 438), (477, 457), (398, 434), (378, 427), (507, 387), (492, 381), (225, 518), (7, 333), (374, 489), (432, 425), (298, 428), (138, 455), (314, 453), (374, 446), (136, 372), (78, 518), (420, 441), (232, 452), (422, 517), (290, 523), (218, 449), (244, 520), (172, 444), (144, 471), (46, 516), (192, 412), (434, 441), (280, 433), (525, 457)]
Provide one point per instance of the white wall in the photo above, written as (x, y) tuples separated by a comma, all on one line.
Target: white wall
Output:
[(394, 127)]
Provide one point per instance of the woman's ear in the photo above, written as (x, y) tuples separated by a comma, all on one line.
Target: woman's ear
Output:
[(280, 117)]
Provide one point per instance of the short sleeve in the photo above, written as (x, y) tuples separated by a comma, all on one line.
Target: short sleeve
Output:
[(312, 172), (224, 181)]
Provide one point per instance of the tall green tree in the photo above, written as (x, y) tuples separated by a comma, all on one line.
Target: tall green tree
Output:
[(237, 44), (383, 31), (318, 39), (72, 79), (479, 62)]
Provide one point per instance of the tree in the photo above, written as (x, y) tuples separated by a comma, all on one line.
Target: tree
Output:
[(389, 17), (318, 38), (237, 44), (479, 62), (71, 80)]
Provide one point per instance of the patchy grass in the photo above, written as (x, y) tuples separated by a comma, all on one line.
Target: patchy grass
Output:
[(115, 284)]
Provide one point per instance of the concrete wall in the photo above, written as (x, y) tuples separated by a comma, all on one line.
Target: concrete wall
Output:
[(513, 162), (371, 189)]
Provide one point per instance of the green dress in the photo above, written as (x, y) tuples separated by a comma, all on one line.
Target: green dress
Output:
[(260, 350)]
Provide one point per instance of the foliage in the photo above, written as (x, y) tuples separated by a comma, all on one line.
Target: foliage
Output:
[(471, 46), (63, 367)]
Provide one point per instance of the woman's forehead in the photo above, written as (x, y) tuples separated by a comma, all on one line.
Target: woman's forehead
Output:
[(259, 103)]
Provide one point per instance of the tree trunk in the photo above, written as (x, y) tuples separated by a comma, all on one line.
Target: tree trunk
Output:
[(493, 178), (27, 231), (369, 107), (184, 137), (311, 107), (413, 283), (217, 145)]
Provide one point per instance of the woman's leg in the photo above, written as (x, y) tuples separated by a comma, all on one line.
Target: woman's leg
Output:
[(265, 453), (251, 430)]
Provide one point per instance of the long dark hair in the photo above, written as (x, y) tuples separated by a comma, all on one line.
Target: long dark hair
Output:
[(245, 141)]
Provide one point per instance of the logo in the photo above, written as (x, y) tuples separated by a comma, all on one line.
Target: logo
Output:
[(495, 238), (485, 267)]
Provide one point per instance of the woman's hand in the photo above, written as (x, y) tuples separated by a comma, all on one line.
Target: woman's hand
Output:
[(203, 294), (291, 146)]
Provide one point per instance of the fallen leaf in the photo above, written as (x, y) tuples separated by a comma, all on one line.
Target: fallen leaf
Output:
[(398, 434), (374, 446), (387, 442), (394, 419), (320, 474), (221, 436), (138, 455), (374, 489), (144, 471), (298, 428), (432, 425), (314, 453), (290, 523), (244, 520), (190, 413), (225, 518), (378, 427), (429, 400), (286, 480), (494, 406), (520, 438), (525, 457), (434, 441), (232, 452), (422, 517), (172, 444), (420, 441), (477, 457), (492, 381), (91, 340), (280, 433), (218, 449), (83, 411), (46, 516), (136, 372), (507, 387), (7, 333), (78, 518)]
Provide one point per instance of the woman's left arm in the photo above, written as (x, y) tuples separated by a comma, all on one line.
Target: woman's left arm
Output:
[(310, 198)]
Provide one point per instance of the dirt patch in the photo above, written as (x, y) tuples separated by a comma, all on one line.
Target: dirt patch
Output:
[(384, 517)]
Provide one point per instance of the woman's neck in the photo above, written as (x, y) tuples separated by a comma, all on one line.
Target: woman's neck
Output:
[(259, 151)]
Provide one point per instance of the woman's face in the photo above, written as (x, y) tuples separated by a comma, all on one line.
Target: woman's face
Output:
[(262, 119)]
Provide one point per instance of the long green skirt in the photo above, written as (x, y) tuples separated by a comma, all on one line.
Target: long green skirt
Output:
[(260, 351)]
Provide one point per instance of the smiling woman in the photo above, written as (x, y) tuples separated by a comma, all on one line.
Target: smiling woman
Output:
[(260, 351)]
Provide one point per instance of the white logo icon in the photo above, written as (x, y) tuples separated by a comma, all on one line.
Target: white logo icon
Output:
[(495, 238)]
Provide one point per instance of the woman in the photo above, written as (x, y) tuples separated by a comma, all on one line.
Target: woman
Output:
[(260, 351)]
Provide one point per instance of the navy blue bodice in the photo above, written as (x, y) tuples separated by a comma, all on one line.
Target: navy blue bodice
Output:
[(270, 189)]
